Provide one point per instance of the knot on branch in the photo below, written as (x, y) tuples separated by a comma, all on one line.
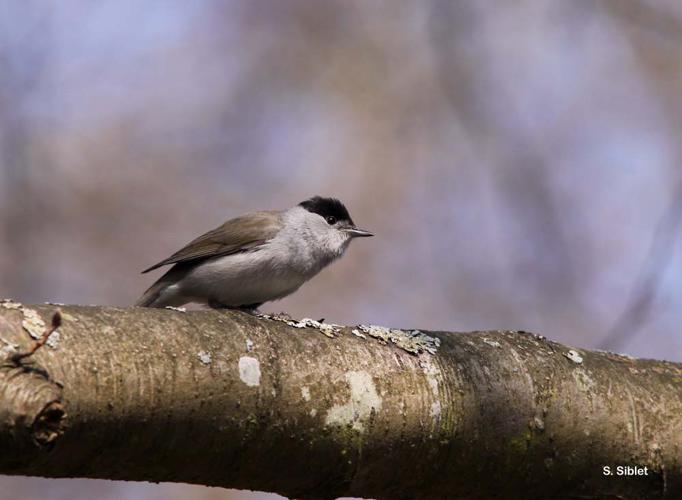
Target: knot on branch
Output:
[(36, 415)]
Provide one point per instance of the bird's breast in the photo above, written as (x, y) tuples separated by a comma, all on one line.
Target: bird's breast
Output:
[(248, 278)]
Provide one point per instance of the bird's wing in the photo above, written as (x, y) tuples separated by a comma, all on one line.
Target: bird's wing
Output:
[(240, 234)]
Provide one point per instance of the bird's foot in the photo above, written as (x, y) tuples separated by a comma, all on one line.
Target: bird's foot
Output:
[(253, 311), (250, 308), (214, 304)]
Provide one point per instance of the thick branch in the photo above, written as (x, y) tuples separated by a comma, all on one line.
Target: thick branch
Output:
[(229, 399)]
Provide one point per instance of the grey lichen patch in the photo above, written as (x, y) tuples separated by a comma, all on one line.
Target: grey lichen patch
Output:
[(574, 356), (583, 381), (432, 376), (8, 348), (249, 371), (205, 357), (33, 323), (10, 304), (364, 400), (305, 393), (412, 341), (492, 343), (53, 340), (357, 333), (249, 345), (617, 355), (6, 351), (178, 309), (327, 329)]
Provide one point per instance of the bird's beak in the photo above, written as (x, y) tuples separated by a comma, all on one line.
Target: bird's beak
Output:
[(354, 232)]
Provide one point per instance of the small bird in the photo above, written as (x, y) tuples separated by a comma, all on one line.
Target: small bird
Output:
[(256, 257)]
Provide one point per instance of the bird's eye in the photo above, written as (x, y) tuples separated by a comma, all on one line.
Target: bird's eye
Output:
[(331, 220)]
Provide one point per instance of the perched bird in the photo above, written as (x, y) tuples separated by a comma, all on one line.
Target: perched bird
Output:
[(256, 257)]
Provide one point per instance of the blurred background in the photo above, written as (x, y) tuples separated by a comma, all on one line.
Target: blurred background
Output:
[(520, 162)]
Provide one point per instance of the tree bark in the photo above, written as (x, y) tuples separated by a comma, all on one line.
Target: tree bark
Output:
[(234, 400)]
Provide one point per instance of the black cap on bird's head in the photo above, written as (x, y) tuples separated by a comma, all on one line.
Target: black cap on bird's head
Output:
[(333, 211), (327, 207)]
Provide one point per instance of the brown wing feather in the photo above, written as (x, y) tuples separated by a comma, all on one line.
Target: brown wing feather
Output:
[(240, 234)]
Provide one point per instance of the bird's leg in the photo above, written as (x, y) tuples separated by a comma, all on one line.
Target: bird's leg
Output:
[(214, 304), (250, 308)]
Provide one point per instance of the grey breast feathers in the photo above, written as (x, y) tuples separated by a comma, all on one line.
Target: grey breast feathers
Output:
[(240, 234)]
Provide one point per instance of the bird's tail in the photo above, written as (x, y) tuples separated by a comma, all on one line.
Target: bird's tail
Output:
[(151, 298), (165, 291)]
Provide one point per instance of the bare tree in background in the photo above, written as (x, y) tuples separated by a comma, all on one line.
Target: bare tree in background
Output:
[(25, 58), (640, 305)]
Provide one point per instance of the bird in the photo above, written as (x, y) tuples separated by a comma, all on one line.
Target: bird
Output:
[(255, 258)]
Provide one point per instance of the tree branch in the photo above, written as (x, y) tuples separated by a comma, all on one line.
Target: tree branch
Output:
[(229, 399)]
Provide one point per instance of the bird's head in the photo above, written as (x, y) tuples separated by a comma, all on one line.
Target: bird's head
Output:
[(331, 223)]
